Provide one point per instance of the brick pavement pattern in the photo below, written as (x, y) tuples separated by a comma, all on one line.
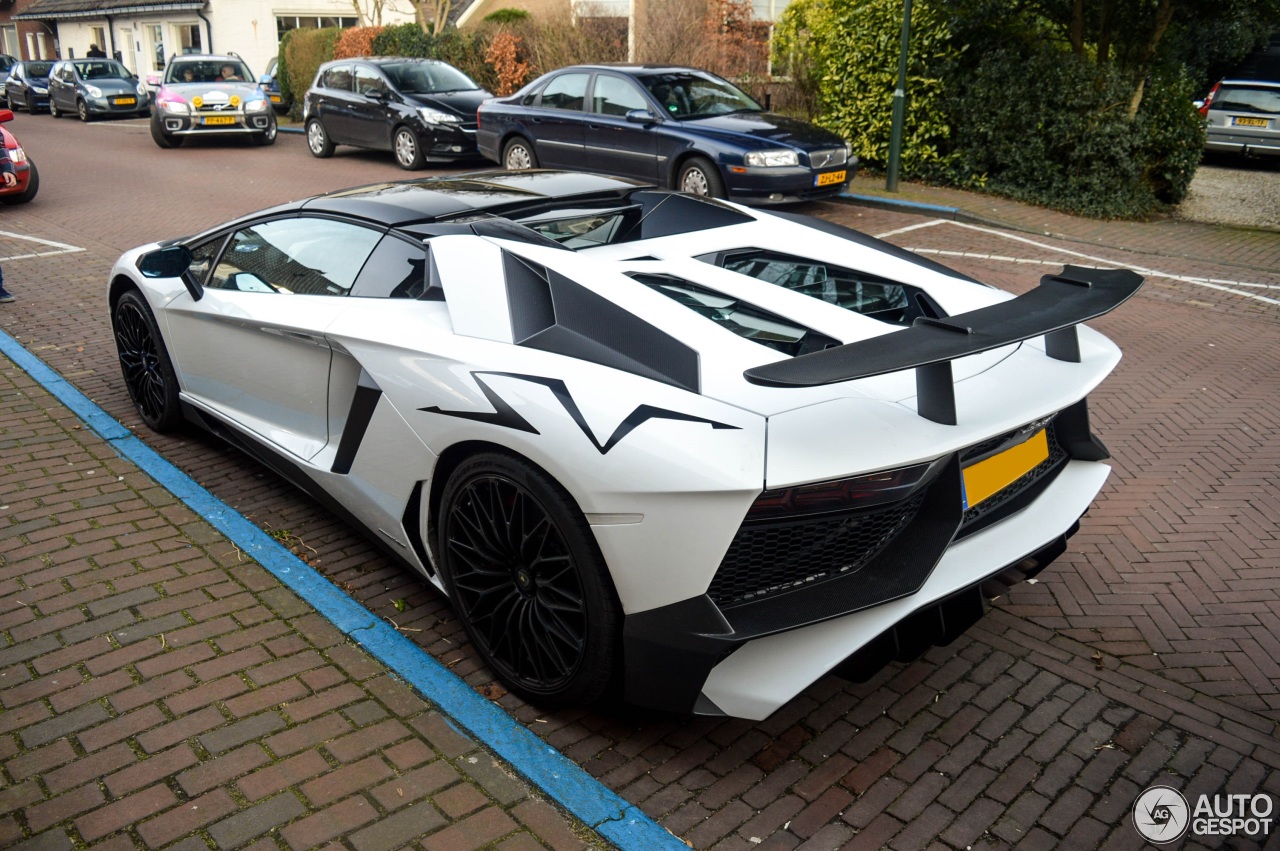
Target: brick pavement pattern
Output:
[(159, 690), (1146, 654)]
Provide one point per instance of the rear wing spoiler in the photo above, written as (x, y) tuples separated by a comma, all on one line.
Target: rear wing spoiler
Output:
[(1051, 310)]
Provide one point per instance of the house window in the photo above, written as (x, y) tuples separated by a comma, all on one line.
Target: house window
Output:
[(284, 23), (189, 38), (155, 35)]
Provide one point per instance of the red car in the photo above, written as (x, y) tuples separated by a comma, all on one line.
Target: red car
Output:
[(28, 176)]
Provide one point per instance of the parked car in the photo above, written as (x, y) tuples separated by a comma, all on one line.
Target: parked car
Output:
[(28, 85), (674, 126), (642, 439), (208, 95), (1243, 118), (23, 166), (270, 81), (90, 88), (422, 110), (6, 62)]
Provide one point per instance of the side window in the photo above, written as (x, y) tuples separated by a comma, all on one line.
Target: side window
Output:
[(397, 268), (301, 256), (615, 96), (568, 91), (369, 81), (531, 98), (338, 77)]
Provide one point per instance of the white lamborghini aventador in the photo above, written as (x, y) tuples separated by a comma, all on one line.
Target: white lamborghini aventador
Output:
[(705, 452)]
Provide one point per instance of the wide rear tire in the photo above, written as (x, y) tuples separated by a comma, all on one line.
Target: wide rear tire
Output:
[(527, 581)]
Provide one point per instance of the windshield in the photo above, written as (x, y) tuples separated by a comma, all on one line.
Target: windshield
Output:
[(102, 69), (427, 78), (688, 95), (207, 71), (1247, 99), (38, 69)]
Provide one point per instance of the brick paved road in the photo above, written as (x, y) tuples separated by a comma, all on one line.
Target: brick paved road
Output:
[(1146, 654)]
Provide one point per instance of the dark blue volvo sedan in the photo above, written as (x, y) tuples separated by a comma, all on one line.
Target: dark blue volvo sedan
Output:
[(669, 125)]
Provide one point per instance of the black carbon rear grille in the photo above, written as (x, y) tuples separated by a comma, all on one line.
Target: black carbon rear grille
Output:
[(773, 558), (1006, 501)]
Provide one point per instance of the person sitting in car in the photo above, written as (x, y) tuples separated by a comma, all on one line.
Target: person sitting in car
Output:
[(229, 75)]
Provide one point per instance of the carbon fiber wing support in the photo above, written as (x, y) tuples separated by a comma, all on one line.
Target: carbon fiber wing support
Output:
[(1052, 310)]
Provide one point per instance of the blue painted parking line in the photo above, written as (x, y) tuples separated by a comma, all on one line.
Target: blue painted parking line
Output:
[(561, 779)]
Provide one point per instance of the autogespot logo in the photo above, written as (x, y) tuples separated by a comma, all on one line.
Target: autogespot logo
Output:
[(1161, 815)]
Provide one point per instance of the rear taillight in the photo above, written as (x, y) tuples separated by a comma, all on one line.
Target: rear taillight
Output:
[(1208, 99), (841, 495)]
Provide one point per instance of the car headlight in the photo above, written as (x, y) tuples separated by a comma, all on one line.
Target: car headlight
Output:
[(141, 90), (435, 116), (177, 107), (255, 105), (40, 90), (770, 159), (94, 91), (17, 154)]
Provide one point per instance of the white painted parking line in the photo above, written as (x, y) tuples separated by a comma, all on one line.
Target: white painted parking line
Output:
[(57, 247), (1240, 288)]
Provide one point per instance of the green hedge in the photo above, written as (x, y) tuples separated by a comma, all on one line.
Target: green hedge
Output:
[(1047, 127), (464, 52), (302, 53)]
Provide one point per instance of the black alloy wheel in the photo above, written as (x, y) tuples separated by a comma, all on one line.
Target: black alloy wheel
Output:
[(527, 580), (144, 361)]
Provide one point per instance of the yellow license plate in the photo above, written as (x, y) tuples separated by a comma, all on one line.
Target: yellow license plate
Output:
[(996, 473), (1248, 122), (829, 178), (218, 119), (124, 101), (274, 98)]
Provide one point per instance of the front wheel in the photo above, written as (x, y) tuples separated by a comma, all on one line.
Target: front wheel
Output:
[(268, 136), (82, 110), (144, 361), (161, 138), (699, 176), (31, 104), (528, 582), (53, 108), (407, 150), (318, 141), (518, 155)]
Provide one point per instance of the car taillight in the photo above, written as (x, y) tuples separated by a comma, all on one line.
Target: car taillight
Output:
[(477, 119), (841, 495), (1208, 99)]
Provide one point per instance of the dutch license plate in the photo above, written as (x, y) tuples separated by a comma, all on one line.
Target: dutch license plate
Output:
[(829, 178), (996, 473), (274, 98), (1248, 122), (124, 101), (218, 119)]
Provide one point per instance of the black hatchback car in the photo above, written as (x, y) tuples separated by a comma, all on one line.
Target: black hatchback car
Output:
[(422, 110), (674, 126)]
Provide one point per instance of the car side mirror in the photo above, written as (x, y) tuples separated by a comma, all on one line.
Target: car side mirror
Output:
[(640, 116), (1198, 104), (376, 94), (168, 262), (6, 115), (265, 79)]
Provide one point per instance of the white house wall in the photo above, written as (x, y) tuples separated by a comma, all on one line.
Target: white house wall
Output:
[(246, 27)]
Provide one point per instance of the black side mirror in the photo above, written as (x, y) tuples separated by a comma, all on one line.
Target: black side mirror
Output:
[(172, 261), (640, 116)]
